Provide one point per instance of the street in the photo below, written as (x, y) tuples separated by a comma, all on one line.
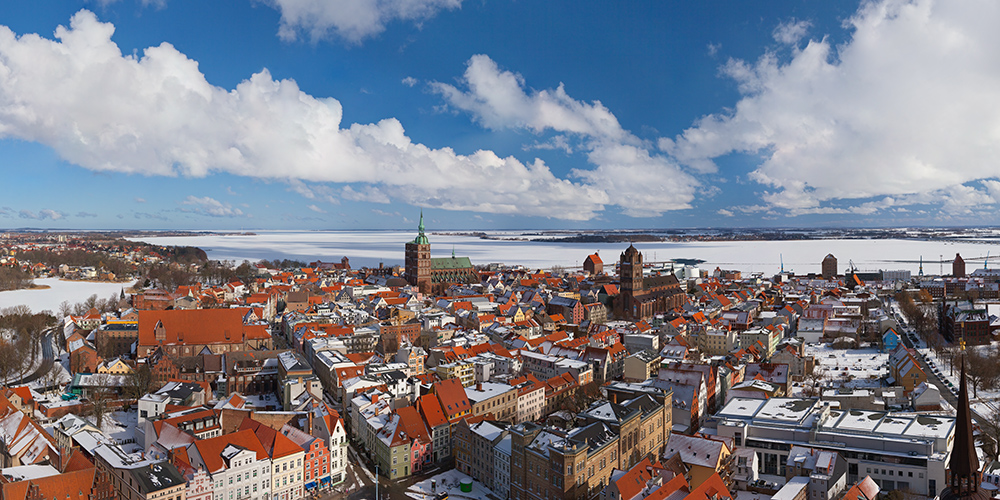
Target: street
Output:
[(932, 378), (360, 484)]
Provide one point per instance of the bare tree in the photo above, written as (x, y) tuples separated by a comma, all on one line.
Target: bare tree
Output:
[(65, 309), (100, 399), (91, 302), (982, 372), (811, 382), (9, 360), (992, 429), (50, 379), (138, 383)]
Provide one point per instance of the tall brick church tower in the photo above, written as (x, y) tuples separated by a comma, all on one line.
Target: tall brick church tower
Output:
[(630, 276), (418, 260)]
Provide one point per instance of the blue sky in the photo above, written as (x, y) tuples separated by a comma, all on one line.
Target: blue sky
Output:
[(346, 114)]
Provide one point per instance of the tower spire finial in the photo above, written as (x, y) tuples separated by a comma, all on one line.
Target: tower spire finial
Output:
[(421, 238)]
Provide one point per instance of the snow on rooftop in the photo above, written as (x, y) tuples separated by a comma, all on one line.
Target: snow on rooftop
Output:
[(487, 391), (449, 482), (741, 407), (24, 472), (858, 420), (792, 488), (791, 410), (486, 430)]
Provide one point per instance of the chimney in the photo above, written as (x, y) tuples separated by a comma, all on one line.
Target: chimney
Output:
[(479, 386)]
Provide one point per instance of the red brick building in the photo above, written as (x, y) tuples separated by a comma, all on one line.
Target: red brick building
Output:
[(643, 297), (593, 264), (189, 332)]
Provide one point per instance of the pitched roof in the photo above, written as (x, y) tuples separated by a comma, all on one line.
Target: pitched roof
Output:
[(193, 326), (451, 394), (277, 444), (75, 485), (211, 449), (634, 480), (412, 424), (430, 408)]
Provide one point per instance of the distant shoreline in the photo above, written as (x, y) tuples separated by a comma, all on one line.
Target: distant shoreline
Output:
[(93, 281)]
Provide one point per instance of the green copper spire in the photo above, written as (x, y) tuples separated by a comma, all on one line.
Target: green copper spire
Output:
[(421, 239)]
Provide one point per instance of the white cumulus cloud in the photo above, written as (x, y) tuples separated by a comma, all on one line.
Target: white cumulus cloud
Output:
[(351, 20), (791, 32), (627, 174), (156, 114), (907, 110)]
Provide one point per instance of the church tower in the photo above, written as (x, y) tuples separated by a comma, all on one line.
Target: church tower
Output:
[(418, 260), (630, 277), (962, 474)]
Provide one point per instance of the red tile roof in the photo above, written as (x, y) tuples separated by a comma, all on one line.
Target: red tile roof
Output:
[(451, 394), (194, 326), (210, 449), (412, 424), (430, 408), (277, 444)]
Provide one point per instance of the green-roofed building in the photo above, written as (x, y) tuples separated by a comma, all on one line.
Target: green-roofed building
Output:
[(434, 275)]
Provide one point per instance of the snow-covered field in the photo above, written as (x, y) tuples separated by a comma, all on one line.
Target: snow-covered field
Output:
[(368, 248), (865, 367), (40, 299)]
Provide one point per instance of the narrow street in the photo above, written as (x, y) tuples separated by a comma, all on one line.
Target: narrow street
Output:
[(932, 378), (360, 484), (48, 358)]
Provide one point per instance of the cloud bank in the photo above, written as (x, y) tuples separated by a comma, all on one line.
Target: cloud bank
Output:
[(907, 111), (157, 115)]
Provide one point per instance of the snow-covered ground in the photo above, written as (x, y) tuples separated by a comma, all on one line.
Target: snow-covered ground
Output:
[(41, 299), (448, 481), (865, 367)]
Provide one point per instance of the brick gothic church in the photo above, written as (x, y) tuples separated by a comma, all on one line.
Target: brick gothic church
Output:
[(641, 297), (435, 275)]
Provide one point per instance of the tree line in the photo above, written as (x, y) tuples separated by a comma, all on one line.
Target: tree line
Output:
[(79, 258), (21, 333), (13, 278)]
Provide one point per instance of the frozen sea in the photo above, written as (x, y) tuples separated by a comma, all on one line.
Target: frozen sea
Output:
[(369, 248), (40, 299)]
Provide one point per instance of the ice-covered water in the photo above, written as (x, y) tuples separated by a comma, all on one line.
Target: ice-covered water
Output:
[(40, 299), (369, 248)]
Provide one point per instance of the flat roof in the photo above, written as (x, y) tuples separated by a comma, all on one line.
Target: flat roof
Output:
[(792, 488), (489, 390)]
